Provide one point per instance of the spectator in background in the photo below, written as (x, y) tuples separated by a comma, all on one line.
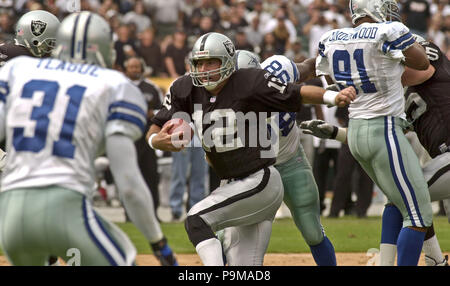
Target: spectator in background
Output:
[(254, 35), (296, 53), (237, 20), (263, 16), (124, 46), (150, 51), (336, 14), (166, 15), (241, 42), (113, 18), (186, 10), (7, 22), (147, 161), (283, 30), (176, 54), (438, 30), (206, 25), (138, 17), (106, 6), (208, 9), (416, 16), (314, 29), (268, 46)]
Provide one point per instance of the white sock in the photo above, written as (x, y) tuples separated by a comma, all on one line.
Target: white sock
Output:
[(387, 254), (432, 249), (210, 252)]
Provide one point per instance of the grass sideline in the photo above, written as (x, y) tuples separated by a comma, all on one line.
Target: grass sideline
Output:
[(348, 234)]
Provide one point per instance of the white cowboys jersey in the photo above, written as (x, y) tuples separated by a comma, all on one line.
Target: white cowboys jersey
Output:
[(56, 116), (367, 57), (288, 134)]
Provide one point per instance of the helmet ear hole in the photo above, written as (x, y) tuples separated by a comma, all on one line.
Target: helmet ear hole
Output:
[(35, 42)]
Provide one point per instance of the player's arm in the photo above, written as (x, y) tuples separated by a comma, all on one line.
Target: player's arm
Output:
[(323, 130), (133, 190), (159, 138), (135, 194), (412, 77), (306, 69), (317, 95), (416, 58)]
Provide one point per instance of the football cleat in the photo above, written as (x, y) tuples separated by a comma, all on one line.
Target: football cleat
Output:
[(429, 261), (164, 253)]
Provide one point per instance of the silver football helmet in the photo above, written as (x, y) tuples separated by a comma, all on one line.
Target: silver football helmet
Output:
[(378, 10), (36, 31), (212, 46), (85, 37), (247, 59)]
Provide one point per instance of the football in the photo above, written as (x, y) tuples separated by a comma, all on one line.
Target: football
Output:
[(180, 125)]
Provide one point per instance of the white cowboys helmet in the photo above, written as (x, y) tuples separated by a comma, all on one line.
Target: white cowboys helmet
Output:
[(247, 59), (378, 10), (36, 31), (85, 37), (212, 46)]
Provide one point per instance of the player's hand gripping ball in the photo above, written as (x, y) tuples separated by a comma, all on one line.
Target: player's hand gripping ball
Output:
[(181, 132)]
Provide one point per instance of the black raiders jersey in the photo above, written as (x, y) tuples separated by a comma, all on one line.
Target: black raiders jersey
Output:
[(428, 104), (232, 126), (10, 50)]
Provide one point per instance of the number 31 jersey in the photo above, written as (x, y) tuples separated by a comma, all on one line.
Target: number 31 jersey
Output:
[(367, 57), (56, 116)]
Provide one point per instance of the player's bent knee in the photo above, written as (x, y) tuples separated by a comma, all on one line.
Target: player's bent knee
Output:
[(197, 229)]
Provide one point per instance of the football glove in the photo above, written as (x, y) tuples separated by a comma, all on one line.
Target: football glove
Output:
[(319, 128)]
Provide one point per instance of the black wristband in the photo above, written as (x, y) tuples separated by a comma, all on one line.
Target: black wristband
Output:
[(335, 131)]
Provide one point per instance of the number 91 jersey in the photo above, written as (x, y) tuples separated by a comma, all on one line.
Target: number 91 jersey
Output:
[(56, 116), (367, 57)]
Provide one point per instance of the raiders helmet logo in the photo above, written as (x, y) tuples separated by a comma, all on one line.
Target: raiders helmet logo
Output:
[(38, 27), (230, 47)]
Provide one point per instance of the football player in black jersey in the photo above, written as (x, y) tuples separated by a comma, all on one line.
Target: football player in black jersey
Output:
[(229, 109), (35, 36), (428, 110)]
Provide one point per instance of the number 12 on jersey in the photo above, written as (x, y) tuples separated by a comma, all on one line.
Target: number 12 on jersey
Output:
[(344, 72), (63, 147)]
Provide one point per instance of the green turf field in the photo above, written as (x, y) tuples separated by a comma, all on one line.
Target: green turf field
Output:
[(348, 234)]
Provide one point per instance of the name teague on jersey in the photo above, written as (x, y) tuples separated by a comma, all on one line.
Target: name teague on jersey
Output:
[(56, 141)]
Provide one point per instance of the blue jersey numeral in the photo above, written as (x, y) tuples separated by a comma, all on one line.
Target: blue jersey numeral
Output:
[(63, 147), (346, 74)]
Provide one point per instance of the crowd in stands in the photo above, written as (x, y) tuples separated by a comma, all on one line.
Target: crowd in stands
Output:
[(162, 32)]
